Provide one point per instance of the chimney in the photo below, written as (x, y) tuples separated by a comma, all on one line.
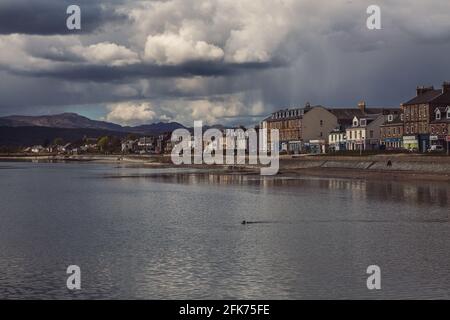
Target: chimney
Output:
[(362, 106), (446, 87), (421, 90)]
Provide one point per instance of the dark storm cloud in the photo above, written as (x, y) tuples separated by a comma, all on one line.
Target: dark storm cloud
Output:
[(48, 17), (98, 73), (257, 56)]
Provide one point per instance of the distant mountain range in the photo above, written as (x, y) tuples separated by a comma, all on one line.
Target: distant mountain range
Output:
[(75, 121), (26, 130), (14, 137)]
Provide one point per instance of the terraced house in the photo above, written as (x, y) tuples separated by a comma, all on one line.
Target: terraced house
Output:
[(359, 128), (439, 127), (420, 112), (391, 132), (301, 129)]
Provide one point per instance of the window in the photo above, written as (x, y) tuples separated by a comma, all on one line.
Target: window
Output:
[(448, 112), (390, 118), (363, 122), (371, 134), (438, 114), (321, 123)]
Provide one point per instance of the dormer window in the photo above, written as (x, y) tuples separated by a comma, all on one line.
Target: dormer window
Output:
[(390, 118), (438, 114), (355, 122), (448, 112), (363, 122)]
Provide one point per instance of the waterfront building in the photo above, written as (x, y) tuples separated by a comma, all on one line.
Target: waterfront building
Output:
[(146, 145), (301, 129), (289, 125), (337, 140), (439, 127), (349, 121), (419, 113), (391, 132), (317, 123), (364, 134), (129, 146), (37, 149)]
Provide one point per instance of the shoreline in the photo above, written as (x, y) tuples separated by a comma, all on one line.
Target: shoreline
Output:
[(403, 167)]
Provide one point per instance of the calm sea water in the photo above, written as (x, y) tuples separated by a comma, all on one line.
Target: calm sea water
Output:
[(145, 234)]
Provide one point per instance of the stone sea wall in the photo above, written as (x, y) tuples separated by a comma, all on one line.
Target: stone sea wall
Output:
[(430, 165)]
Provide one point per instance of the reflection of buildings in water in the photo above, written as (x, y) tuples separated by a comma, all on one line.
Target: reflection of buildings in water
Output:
[(412, 192), (361, 190), (358, 188)]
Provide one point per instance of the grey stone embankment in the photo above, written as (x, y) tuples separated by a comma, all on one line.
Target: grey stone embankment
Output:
[(403, 166), (406, 163)]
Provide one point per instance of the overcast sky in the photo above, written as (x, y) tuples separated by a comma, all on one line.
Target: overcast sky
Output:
[(220, 61)]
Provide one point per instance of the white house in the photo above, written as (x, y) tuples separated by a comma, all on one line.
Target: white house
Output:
[(337, 140), (129, 146), (37, 149), (364, 134)]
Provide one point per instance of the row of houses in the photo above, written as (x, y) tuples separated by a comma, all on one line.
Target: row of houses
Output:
[(148, 145), (68, 148), (420, 124)]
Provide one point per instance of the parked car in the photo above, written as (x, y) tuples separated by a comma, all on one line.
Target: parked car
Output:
[(435, 148)]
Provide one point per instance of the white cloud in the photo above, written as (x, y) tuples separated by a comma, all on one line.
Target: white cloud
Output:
[(107, 53), (130, 113), (43, 53), (237, 31), (228, 109), (23, 53), (331, 57), (173, 49)]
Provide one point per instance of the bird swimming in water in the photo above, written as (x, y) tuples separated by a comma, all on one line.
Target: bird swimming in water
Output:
[(253, 222)]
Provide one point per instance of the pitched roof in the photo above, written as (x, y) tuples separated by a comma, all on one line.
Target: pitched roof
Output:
[(395, 122), (345, 114), (291, 117), (444, 118), (426, 97), (442, 99)]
